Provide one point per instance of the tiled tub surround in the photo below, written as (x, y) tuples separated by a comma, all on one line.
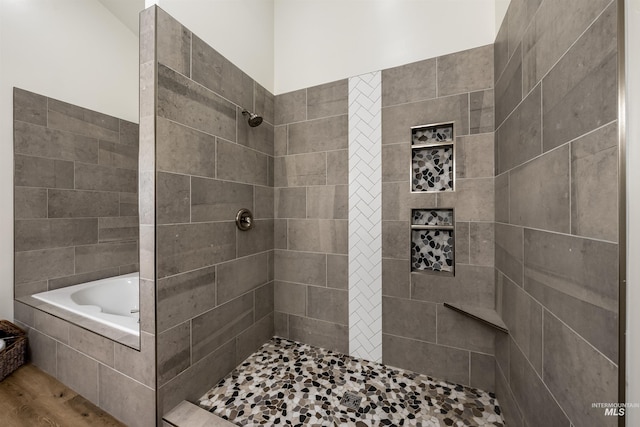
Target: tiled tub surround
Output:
[(289, 383), (556, 186), (76, 201), (419, 333), (214, 283)]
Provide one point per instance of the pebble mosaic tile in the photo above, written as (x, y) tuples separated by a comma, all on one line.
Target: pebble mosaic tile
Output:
[(432, 168), (432, 217), (432, 134), (432, 250), (289, 383)]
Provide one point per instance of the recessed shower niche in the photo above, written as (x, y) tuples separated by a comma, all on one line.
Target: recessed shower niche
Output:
[(432, 240), (432, 158)]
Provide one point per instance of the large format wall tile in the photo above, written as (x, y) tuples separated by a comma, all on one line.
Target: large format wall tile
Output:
[(410, 319), (318, 135), (465, 71), (409, 83), (580, 91), (539, 192), (508, 90), (509, 252), (329, 99), (328, 335), (40, 141), (173, 46), (576, 279), (184, 150)]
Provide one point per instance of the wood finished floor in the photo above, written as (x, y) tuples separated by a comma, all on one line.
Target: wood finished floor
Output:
[(29, 397)]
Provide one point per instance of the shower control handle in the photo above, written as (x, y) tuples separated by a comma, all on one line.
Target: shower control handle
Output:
[(244, 219)]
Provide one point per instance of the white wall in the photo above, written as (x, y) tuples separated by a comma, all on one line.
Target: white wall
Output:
[(318, 41), (633, 204), (72, 50), (241, 30)]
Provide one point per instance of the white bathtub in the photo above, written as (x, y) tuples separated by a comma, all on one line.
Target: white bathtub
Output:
[(108, 301)]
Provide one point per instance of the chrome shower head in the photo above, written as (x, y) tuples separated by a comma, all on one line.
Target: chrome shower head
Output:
[(253, 119)]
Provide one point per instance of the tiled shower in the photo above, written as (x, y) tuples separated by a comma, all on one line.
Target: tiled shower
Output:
[(475, 188)]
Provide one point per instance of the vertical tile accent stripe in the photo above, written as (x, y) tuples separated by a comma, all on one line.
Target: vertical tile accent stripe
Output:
[(365, 216)]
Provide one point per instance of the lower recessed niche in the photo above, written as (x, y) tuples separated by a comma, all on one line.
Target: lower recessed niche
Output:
[(432, 240)]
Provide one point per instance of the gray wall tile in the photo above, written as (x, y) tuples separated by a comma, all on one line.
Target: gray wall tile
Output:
[(213, 328), (531, 394), (483, 372), (337, 167), (242, 275), (447, 363), (91, 344), (29, 107), (183, 150), (197, 379), (465, 71), (396, 162), (508, 91), (472, 285), (184, 296), (458, 330), (576, 279), (328, 304), (409, 83), (328, 202), (54, 233), (263, 101), (523, 316), (475, 156), (331, 336), (329, 99), (280, 140), (259, 239), (217, 73), (481, 247), (118, 155), (105, 255), (545, 41), (281, 324), (52, 326), (462, 243), (481, 111), (300, 267), (546, 205), (105, 178), (71, 118), (502, 197), (594, 189), (409, 319), (129, 133), (184, 101), (509, 251), (580, 92), (397, 120), (290, 298), (123, 228), (291, 107), (174, 352), (398, 200), (510, 411), (396, 275), (263, 202), (396, 236), (173, 198), (473, 199), (260, 138), (300, 170), (251, 339), (240, 164), (181, 248), (43, 264), (173, 45), (337, 271), (30, 202), (264, 300), (33, 140), (42, 351), (126, 399), (40, 172), (214, 200), (75, 279), (570, 364), (291, 202), (325, 134), (78, 372), (519, 138), (318, 235)]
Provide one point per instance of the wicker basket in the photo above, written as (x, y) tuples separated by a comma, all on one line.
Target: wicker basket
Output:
[(12, 357)]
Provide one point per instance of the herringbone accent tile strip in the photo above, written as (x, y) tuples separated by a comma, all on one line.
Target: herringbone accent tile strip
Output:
[(365, 216)]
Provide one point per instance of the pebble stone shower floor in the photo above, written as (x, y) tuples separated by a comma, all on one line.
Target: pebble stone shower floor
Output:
[(288, 383)]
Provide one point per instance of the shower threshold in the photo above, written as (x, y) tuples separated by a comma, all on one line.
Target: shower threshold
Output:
[(288, 383)]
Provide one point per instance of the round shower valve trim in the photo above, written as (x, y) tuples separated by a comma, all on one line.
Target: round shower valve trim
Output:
[(244, 219)]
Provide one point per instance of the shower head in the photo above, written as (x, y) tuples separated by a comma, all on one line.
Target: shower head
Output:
[(253, 119)]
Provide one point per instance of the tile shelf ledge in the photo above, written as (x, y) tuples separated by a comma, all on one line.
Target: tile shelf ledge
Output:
[(487, 316)]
